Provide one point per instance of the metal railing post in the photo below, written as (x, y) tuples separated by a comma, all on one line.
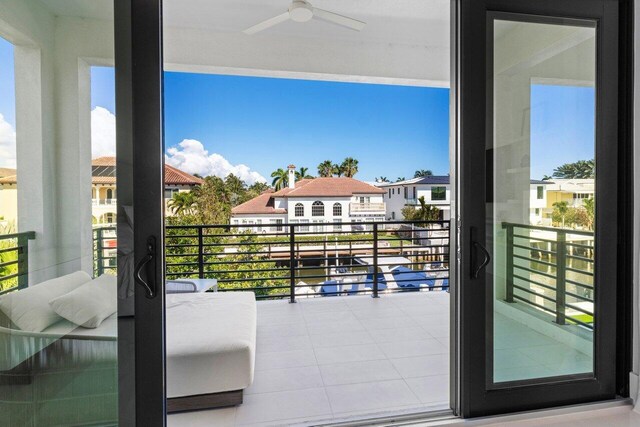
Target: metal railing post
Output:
[(23, 261), (561, 273), (292, 264), (375, 260), (509, 290), (100, 250), (200, 252)]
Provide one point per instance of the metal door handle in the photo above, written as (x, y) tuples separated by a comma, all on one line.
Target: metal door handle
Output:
[(151, 251), (485, 262)]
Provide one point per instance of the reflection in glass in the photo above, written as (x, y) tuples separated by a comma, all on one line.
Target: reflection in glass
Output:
[(543, 207)]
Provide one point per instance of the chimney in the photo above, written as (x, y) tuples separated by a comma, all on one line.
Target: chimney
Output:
[(292, 176)]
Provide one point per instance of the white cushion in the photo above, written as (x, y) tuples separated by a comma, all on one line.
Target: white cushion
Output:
[(29, 308), (89, 304), (211, 342)]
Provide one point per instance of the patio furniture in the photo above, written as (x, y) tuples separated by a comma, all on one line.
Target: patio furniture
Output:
[(180, 286), (210, 350)]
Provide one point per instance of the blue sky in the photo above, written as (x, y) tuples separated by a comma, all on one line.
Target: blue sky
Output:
[(267, 123)]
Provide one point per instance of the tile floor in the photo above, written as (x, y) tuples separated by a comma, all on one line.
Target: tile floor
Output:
[(326, 359), (339, 358)]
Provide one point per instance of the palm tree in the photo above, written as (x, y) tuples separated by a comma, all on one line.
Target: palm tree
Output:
[(547, 178), (349, 167), (590, 206), (325, 169), (427, 212), (280, 179), (303, 173), (400, 178), (336, 169), (382, 179), (561, 208), (182, 202), (582, 169), (422, 173)]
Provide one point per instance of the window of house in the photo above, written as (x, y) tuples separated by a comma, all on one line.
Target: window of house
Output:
[(299, 209), (414, 193), (438, 193), (393, 215), (337, 226), (406, 192), (109, 193), (304, 227), (337, 209), (317, 209), (540, 192), (389, 193)]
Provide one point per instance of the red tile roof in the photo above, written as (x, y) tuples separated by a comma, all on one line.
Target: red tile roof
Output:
[(172, 176), (329, 187), (263, 204)]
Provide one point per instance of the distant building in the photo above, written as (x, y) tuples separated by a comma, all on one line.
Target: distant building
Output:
[(313, 202), (572, 191), (436, 191), (103, 190)]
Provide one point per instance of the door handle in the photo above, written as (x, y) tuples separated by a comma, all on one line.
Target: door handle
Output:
[(151, 252), (484, 263), (475, 245)]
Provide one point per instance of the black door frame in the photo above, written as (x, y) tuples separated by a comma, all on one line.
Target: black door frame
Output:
[(471, 302), (140, 177)]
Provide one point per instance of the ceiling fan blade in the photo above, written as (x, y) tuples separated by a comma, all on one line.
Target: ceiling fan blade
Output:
[(334, 18), (267, 24)]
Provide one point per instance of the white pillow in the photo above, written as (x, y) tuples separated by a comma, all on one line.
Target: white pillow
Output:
[(89, 304), (29, 308)]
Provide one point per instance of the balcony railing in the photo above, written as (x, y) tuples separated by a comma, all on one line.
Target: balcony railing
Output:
[(14, 260), (104, 202), (104, 248), (552, 270), (319, 261), (367, 207)]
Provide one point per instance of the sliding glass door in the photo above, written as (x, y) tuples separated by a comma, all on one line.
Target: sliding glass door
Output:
[(538, 196)]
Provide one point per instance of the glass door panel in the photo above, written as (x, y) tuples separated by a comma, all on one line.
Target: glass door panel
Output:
[(542, 208)]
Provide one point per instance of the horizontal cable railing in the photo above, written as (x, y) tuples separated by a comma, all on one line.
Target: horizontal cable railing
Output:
[(303, 260), (551, 269), (14, 261)]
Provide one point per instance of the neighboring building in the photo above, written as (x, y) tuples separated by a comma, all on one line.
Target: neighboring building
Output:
[(313, 201), (436, 191), (572, 191), (103, 190), (8, 200)]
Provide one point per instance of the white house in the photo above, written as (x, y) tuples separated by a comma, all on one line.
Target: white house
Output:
[(313, 201), (437, 192)]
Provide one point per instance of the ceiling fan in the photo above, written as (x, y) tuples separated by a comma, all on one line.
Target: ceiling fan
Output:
[(302, 11)]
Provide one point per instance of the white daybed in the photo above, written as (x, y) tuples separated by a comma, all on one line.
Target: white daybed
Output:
[(211, 341)]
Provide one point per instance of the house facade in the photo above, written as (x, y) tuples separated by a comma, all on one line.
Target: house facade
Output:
[(104, 194), (436, 191), (313, 203)]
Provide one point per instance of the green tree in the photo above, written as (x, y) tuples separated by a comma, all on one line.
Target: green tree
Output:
[(422, 173), (280, 179), (336, 170), (349, 167), (325, 169), (400, 178), (182, 203), (382, 179), (303, 173), (560, 210), (582, 169), (590, 209), (425, 212)]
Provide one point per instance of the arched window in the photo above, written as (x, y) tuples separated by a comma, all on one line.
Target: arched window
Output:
[(317, 209), (109, 193), (299, 209), (337, 209)]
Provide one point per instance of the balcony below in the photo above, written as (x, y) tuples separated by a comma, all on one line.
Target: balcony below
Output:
[(335, 358), (367, 207)]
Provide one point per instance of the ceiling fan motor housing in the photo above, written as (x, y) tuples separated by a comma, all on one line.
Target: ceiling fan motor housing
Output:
[(300, 11)]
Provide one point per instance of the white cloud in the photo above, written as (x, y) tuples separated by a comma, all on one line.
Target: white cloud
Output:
[(103, 133), (7, 144), (191, 157)]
